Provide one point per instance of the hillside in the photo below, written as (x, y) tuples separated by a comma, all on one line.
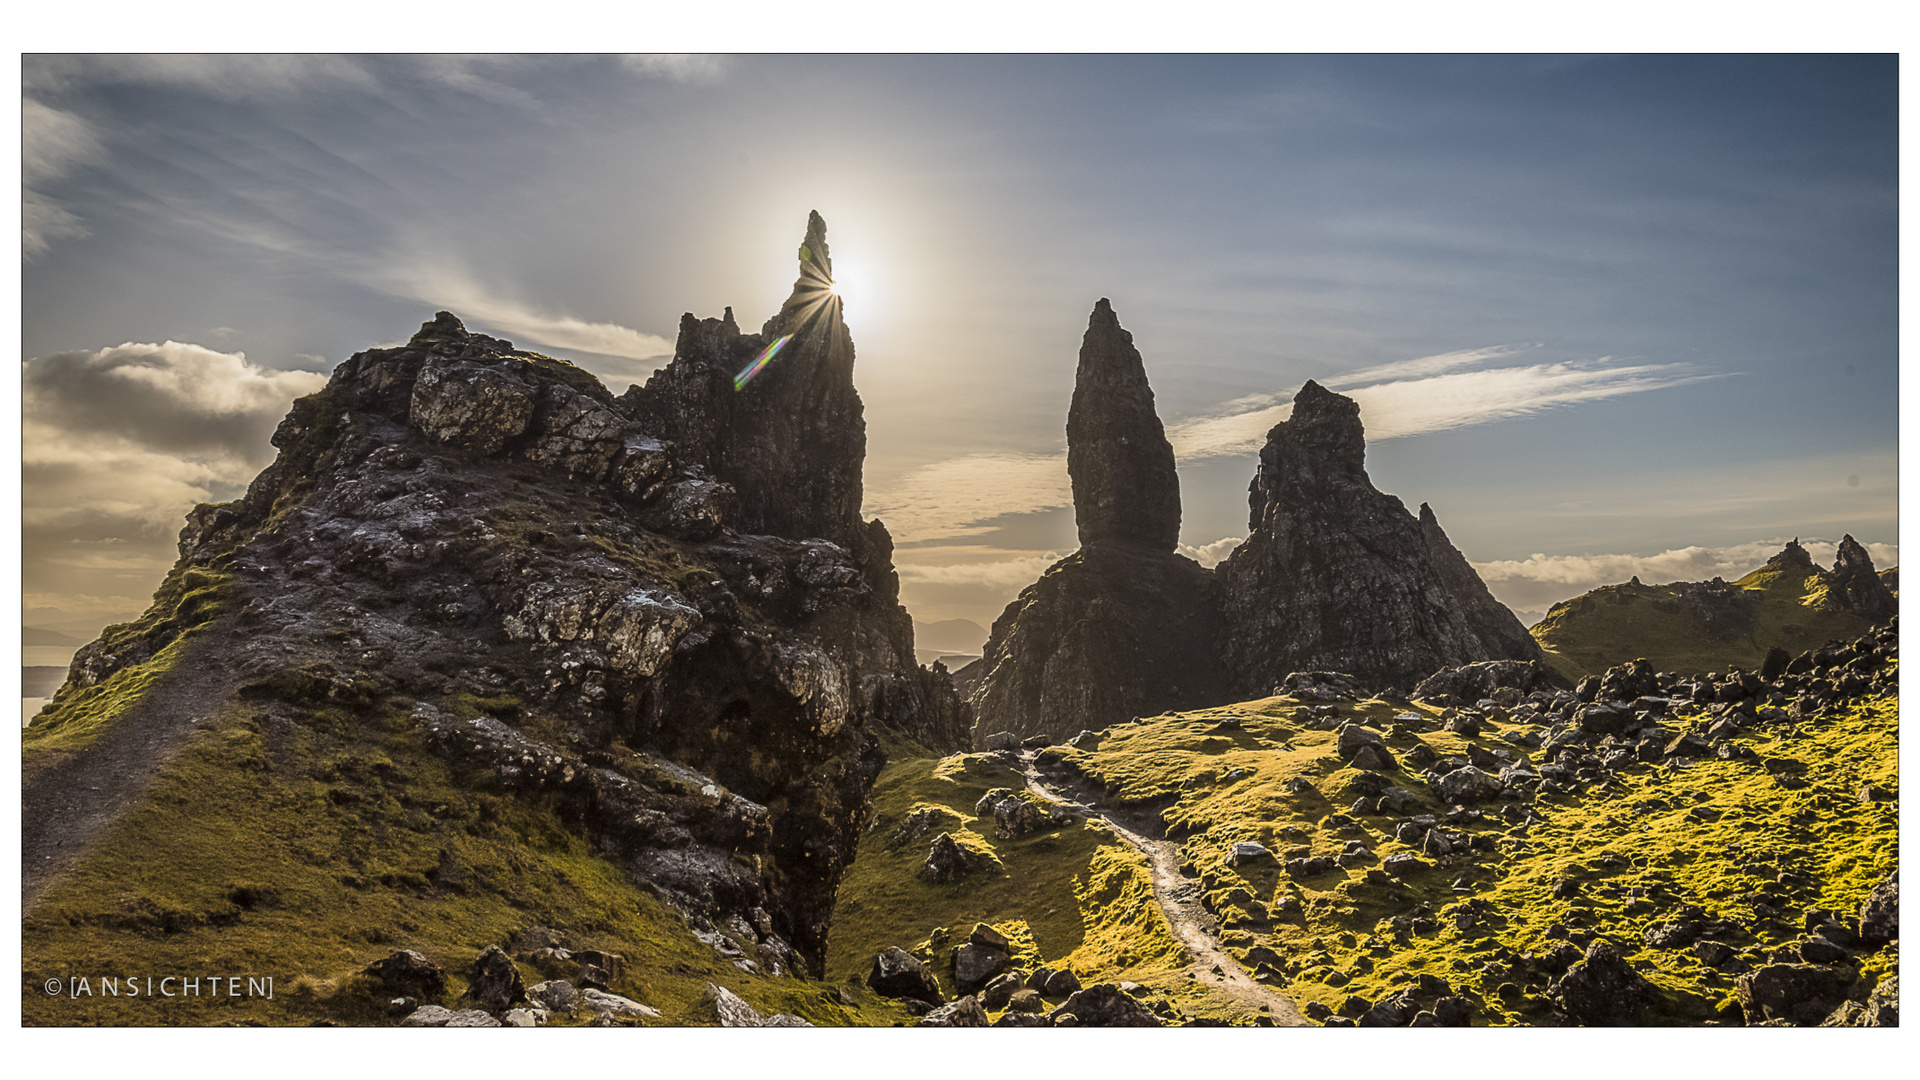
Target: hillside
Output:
[(490, 657), (1690, 627), (1662, 853)]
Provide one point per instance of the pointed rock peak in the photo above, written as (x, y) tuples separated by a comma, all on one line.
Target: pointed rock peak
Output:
[(813, 249), (1427, 518), (1791, 556), (442, 327), (1851, 556), (1124, 484), (1324, 436)]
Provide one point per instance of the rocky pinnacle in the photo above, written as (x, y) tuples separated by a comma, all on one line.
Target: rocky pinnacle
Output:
[(1125, 488)]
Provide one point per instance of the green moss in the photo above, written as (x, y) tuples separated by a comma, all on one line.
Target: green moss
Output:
[(305, 851), (1711, 835)]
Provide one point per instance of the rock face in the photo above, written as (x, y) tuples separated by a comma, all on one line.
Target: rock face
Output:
[(1854, 586), (1124, 485), (1123, 627), (679, 628), (1336, 575)]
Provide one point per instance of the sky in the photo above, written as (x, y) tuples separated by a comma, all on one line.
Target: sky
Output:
[(1608, 315)]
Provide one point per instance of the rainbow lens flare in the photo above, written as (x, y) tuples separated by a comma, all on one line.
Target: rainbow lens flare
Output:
[(759, 362)]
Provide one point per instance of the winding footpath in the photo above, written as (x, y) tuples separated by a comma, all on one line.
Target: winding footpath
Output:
[(1210, 964)]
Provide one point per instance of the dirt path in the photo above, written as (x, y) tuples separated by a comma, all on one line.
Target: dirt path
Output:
[(1210, 964), (64, 809)]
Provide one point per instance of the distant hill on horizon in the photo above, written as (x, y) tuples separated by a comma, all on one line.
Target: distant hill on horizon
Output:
[(1690, 627), (949, 636), (40, 635)]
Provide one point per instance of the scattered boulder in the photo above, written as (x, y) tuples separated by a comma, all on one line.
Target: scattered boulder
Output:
[(897, 973), (1880, 912), (435, 1016), (729, 1010), (1602, 990), (974, 965), (965, 1012), (494, 982), (1394, 1010), (1800, 994), (408, 972), (997, 993), (1104, 1005), (1247, 852), (947, 860), (557, 995), (1466, 785), (1026, 1000), (614, 1007)]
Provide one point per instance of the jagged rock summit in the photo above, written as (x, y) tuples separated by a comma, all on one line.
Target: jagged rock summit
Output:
[(659, 612), (1125, 488), (1122, 627), (1337, 576)]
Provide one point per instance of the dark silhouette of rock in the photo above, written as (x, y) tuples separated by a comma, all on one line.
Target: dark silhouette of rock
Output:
[(792, 440), (1854, 586), (408, 972), (1336, 575), (897, 973), (1103, 1005), (1602, 990), (494, 982), (1124, 485), (1471, 683), (1123, 627)]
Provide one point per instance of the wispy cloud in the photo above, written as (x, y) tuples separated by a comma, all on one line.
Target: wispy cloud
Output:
[(1417, 397), (226, 76), (52, 143), (450, 287)]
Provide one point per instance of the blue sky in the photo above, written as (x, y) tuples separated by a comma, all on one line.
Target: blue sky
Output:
[(1630, 314)]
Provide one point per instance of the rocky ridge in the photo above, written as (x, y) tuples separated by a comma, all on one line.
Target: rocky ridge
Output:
[(660, 609)]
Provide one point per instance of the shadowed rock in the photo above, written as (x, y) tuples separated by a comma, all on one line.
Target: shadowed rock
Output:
[(1855, 587), (1338, 576)]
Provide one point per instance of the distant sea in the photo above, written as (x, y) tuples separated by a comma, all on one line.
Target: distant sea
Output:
[(37, 682)]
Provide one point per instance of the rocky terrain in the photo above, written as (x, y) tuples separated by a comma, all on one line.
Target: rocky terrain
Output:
[(1645, 849), (1789, 604), (1333, 576), (654, 621)]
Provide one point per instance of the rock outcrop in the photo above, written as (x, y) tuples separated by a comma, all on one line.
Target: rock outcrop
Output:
[(660, 612), (1854, 586), (1123, 627), (1335, 575)]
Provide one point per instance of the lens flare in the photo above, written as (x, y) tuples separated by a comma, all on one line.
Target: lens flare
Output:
[(748, 372)]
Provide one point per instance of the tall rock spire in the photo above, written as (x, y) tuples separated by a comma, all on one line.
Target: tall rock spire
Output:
[(1125, 488), (1855, 587)]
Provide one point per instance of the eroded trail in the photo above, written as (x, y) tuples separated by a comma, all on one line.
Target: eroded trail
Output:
[(65, 808), (1210, 964)]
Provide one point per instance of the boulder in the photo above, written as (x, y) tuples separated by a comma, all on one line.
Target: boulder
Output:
[(1002, 740), (494, 983), (965, 1012), (1800, 994), (999, 992), (728, 1010), (1373, 759), (1880, 912), (1246, 852), (1026, 1000), (1602, 990), (1104, 1005), (1466, 785), (897, 973), (557, 995), (1394, 1010), (947, 860), (974, 965), (1061, 984), (1020, 1019), (408, 972), (613, 1007)]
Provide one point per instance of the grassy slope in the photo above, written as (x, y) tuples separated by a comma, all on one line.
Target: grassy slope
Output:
[(1617, 623), (1831, 846), (1076, 897), (306, 851)]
